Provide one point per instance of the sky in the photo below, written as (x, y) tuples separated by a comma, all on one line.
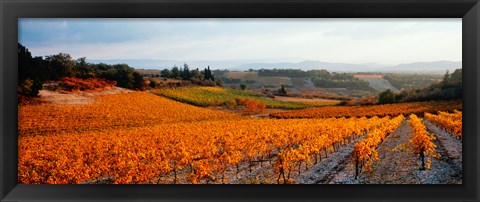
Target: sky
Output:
[(382, 41)]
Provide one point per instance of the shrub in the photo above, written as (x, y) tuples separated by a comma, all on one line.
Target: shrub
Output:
[(243, 86), (386, 97), (282, 90), (75, 84), (29, 87), (251, 105)]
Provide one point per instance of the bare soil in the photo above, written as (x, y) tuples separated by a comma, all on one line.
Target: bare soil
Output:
[(81, 97), (398, 165), (328, 168)]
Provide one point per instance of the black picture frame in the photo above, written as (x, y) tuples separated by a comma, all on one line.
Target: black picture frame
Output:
[(468, 10)]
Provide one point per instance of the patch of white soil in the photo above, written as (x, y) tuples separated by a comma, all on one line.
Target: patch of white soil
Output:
[(82, 97)]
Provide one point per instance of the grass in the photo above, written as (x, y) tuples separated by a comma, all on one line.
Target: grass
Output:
[(216, 96)]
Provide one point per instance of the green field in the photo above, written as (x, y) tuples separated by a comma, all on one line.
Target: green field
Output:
[(216, 96)]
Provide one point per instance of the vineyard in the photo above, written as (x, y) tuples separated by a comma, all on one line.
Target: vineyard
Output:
[(215, 96), (110, 112), (449, 121), (140, 137), (369, 111)]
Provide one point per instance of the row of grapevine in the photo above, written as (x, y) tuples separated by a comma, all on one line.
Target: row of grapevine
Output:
[(311, 148), (421, 142), (111, 112), (365, 152), (142, 138), (203, 149), (370, 111), (451, 122)]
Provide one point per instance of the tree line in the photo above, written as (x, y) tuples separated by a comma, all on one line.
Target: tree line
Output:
[(449, 88), (320, 78), (196, 76), (411, 81), (340, 80), (34, 71)]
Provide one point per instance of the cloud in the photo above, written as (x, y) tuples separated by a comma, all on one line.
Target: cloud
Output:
[(334, 40)]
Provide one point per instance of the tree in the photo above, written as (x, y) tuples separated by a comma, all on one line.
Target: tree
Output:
[(175, 72), (446, 78), (61, 65), (282, 90), (186, 72), (24, 63), (453, 80), (32, 72), (208, 74), (386, 97), (219, 82), (456, 77), (154, 83), (83, 69), (243, 86), (166, 73), (324, 74), (139, 81), (125, 76), (195, 74), (28, 87)]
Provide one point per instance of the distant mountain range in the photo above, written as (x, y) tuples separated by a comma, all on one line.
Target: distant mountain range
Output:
[(430, 67), (437, 67)]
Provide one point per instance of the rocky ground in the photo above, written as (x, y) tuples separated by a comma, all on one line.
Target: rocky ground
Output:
[(329, 167)]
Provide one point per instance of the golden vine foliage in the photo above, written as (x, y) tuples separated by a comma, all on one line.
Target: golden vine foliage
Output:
[(139, 138), (365, 151), (449, 121), (376, 110), (333, 135), (110, 111), (205, 149), (421, 141)]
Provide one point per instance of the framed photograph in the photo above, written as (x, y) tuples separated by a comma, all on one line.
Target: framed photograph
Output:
[(239, 100)]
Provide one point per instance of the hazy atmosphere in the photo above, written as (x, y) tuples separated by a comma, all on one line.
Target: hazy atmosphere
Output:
[(240, 101), (231, 43)]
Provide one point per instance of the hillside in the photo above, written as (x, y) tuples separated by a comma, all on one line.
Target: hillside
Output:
[(437, 67)]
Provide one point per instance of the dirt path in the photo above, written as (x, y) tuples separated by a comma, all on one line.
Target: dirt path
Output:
[(448, 168), (452, 145), (328, 168), (397, 164)]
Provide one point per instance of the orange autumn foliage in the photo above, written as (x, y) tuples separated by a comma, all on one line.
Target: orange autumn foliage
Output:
[(451, 122), (374, 110), (421, 141), (365, 152)]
